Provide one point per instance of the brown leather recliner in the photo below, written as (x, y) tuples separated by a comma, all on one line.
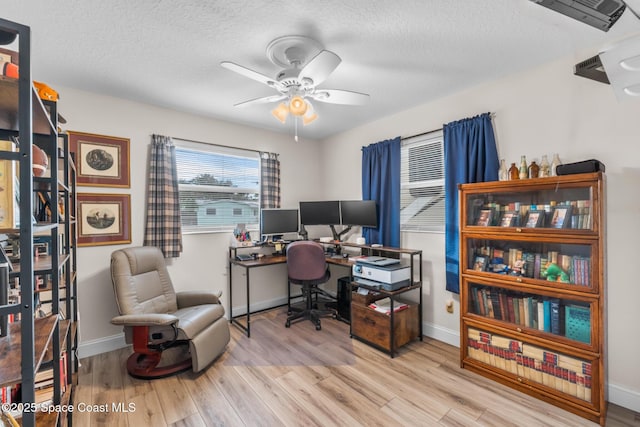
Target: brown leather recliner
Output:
[(156, 318)]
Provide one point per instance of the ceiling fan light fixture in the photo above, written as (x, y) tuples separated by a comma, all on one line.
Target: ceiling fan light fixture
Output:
[(281, 112), (297, 106), (310, 116)]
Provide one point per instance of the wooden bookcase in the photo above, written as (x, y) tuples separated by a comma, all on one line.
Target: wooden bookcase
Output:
[(37, 345), (532, 287)]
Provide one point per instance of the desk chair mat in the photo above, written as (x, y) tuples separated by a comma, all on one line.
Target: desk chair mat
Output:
[(271, 344)]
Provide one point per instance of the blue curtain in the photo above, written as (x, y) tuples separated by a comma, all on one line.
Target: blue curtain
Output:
[(381, 182), (470, 155)]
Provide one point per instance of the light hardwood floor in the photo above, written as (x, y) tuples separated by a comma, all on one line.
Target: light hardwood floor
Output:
[(422, 386)]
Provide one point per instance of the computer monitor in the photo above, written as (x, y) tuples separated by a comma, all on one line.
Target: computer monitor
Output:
[(359, 212), (320, 213), (276, 222)]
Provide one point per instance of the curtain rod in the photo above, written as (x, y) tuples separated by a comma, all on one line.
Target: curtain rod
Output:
[(221, 145), (492, 115)]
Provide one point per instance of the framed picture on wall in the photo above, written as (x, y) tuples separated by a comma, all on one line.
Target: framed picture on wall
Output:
[(102, 161), (104, 219)]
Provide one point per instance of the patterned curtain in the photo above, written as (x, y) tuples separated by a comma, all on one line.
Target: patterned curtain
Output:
[(163, 204), (270, 191)]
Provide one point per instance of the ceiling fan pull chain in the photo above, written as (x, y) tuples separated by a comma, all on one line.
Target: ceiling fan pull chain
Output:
[(295, 125)]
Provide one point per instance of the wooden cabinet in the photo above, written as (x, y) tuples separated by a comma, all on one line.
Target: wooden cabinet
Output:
[(40, 343), (532, 287), (389, 331)]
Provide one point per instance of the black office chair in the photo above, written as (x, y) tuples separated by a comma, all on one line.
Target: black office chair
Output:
[(307, 267)]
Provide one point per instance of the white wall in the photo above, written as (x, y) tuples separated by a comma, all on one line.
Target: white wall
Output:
[(542, 111), (203, 263)]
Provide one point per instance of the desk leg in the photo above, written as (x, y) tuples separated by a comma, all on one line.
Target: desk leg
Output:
[(248, 311), (230, 293)]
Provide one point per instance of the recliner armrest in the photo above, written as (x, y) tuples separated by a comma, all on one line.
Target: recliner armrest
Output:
[(145, 320), (191, 298)]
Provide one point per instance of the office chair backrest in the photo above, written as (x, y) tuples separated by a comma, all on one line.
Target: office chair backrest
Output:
[(141, 281), (305, 261)]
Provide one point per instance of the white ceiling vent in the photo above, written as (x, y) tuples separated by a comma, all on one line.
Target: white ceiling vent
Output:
[(601, 14)]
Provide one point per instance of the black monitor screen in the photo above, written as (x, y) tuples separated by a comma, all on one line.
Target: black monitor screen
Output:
[(278, 221), (320, 213), (359, 212)]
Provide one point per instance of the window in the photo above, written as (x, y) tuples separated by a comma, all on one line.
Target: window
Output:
[(219, 187), (422, 183)]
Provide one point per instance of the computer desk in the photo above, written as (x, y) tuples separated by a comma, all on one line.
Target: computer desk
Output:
[(268, 260), (263, 261)]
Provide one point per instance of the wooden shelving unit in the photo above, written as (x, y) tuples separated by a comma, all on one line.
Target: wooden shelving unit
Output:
[(532, 288)]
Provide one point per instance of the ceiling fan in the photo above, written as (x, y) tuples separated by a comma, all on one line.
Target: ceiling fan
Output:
[(306, 65)]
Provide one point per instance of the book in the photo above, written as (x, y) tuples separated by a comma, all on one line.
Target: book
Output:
[(384, 305)]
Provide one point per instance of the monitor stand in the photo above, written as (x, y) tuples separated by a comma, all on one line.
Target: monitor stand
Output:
[(337, 236)]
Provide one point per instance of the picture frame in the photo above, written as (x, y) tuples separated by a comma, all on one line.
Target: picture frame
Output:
[(561, 217), (509, 219), (480, 263), (535, 219), (103, 219), (485, 217), (102, 161)]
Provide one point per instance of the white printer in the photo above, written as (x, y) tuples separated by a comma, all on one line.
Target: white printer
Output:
[(379, 272)]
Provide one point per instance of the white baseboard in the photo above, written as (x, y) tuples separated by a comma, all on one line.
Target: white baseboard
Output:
[(439, 333), (624, 397), (101, 345), (259, 306)]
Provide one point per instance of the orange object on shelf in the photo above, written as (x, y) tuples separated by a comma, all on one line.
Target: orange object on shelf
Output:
[(45, 92), (10, 70)]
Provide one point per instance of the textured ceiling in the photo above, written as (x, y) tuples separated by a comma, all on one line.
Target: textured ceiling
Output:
[(403, 53)]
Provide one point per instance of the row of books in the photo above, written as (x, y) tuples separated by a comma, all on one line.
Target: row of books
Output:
[(558, 371), (43, 386), (384, 306), (575, 214), (551, 265), (531, 311)]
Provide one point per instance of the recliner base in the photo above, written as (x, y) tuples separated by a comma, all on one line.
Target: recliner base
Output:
[(145, 365)]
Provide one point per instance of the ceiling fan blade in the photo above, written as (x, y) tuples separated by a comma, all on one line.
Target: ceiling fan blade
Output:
[(337, 96), (320, 66), (263, 100), (254, 75)]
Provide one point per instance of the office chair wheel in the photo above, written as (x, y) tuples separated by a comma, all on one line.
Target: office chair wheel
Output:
[(318, 327), (287, 324)]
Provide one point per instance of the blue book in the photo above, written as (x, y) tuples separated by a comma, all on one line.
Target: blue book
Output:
[(555, 316), (546, 304)]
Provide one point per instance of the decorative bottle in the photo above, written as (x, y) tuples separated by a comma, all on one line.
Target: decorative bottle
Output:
[(544, 167), (513, 172), (524, 171), (534, 169), (503, 174), (554, 164)]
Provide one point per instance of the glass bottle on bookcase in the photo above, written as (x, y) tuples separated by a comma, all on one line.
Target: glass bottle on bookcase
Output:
[(523, 172), (544, 167), (554, 164), (503, 174), (513, 172)]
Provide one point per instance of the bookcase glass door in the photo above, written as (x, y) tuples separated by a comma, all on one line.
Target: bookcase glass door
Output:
[(532, 363), (547, 208), (535, 313), (549, 263)]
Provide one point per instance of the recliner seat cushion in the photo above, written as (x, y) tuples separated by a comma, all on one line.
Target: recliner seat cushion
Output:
[(197, 318)]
